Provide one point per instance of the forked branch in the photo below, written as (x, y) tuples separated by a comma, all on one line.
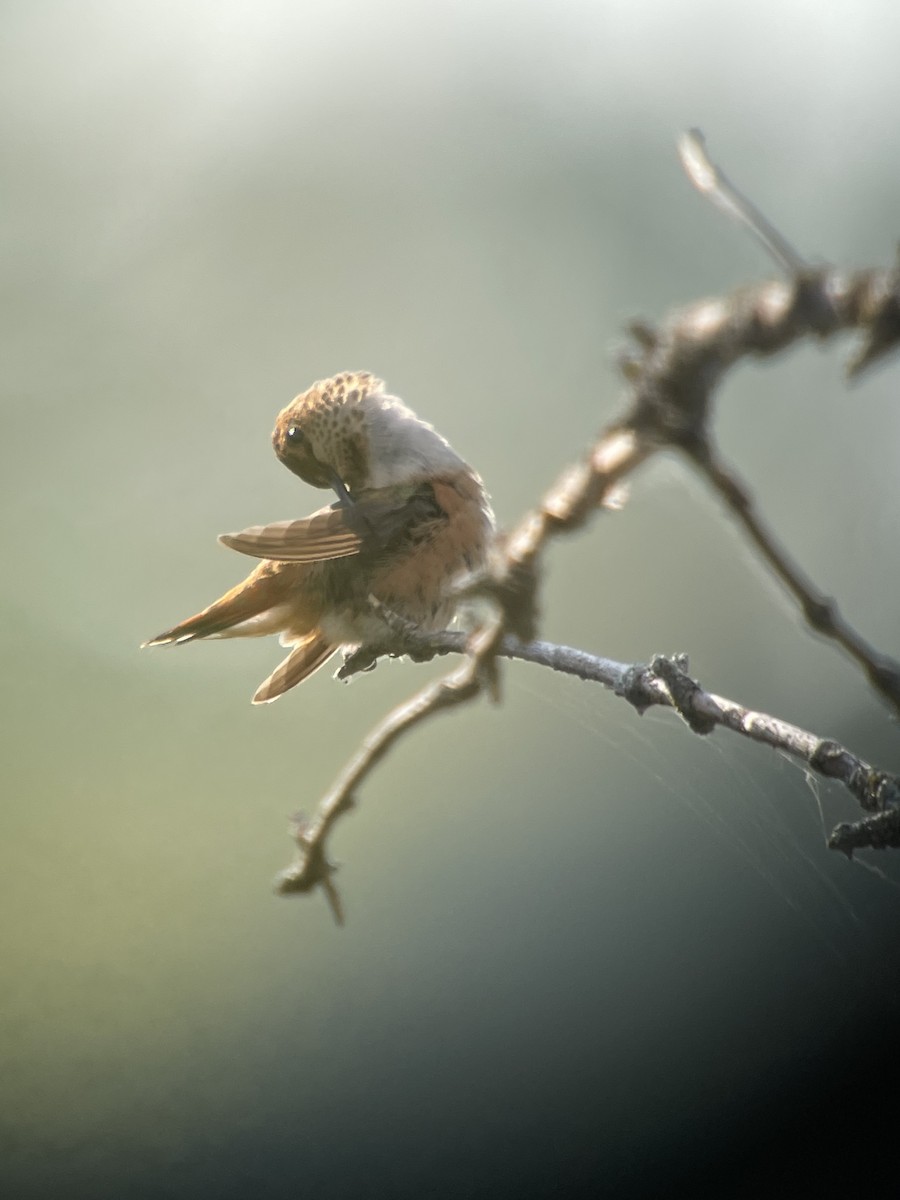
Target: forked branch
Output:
[(671, 376)]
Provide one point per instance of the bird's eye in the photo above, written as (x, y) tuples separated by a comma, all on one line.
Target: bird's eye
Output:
[(295, 435)]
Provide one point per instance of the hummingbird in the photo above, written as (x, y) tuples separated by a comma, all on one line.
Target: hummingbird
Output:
[(410, 518)]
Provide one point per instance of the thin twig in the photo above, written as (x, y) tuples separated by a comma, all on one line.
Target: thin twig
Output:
[(312, 868), (712, 182), (820, 611), (663, 682)]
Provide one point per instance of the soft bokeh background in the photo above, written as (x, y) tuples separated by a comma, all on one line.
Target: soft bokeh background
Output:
[(583, 950)]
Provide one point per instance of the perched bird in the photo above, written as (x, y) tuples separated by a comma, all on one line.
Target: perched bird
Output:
[(411, 516)]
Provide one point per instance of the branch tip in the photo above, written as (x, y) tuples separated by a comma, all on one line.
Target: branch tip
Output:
[(711, 182)]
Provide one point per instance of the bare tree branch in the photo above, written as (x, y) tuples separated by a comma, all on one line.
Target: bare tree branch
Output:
[(663, 682), (669, 405), (671, 381)]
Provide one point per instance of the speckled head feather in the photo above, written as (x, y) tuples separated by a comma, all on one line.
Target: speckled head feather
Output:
[(321, 432), (349, 428)]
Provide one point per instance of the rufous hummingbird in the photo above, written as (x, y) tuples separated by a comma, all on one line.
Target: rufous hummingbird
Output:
[(410, 518)]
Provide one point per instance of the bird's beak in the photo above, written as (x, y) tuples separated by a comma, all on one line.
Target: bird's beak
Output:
[(339, 488)]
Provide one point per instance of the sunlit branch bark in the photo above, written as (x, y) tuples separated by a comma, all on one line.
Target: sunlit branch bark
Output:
[(664, 681)]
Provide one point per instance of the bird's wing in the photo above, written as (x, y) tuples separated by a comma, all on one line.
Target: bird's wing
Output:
[(370, 523), (326, 534)]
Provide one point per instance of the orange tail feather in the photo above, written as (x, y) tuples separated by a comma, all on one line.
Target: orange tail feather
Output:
[(258, 606), (305, 658)]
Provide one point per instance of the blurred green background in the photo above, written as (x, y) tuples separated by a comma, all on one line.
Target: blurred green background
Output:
[(584, 949)]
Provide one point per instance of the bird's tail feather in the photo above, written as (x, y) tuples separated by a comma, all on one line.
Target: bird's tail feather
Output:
[(305, 658), (251, 609)]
